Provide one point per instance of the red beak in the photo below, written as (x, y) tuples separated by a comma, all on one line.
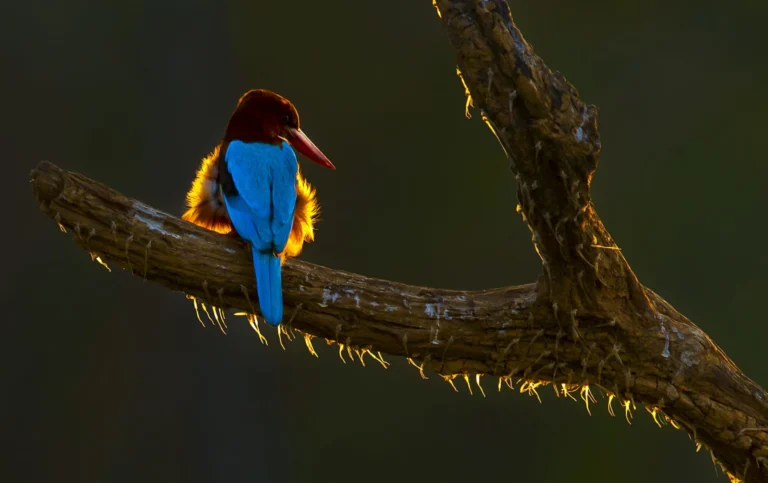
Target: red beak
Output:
[(301, 142)]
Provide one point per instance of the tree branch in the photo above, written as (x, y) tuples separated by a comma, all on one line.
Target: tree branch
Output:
[(587, 322), (552, 139)]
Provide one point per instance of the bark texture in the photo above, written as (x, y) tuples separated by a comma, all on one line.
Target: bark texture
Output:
[(587, 321)]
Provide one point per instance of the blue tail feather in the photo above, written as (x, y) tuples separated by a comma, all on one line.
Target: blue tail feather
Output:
[(269, 285)]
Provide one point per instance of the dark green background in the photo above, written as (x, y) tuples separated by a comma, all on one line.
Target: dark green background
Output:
[(108, 379)]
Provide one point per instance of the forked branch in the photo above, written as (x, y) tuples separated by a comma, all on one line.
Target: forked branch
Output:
[(587, 322)]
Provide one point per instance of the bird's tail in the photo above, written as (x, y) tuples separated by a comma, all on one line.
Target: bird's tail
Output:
[(269, 285)]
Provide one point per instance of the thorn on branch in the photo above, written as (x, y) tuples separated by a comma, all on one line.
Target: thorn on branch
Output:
[(57, 219), (434, 4), (543, 368), (600, 370), (296, 311), (77, 232), (341, 352), (511, 99), (558, 336), (469, 102), (220, 293), (113, 229), (308, 342), (146, 258), (449, 379), (538, 334), (504, 352), (469, 386), (585, 361), (207, 314), (280, 332), (127, 244), (91, 233), (247, 298), (744, 430), (348, 345), (548, 220), (580, 278), (587, 397), (627, 411), (579, 247), (197, 311), (612, 323), (445, 349), (420, 367), (597, 269), (490, 81), (477, 381), (527, 370), (615, 353), (575, 328), (207, 293)]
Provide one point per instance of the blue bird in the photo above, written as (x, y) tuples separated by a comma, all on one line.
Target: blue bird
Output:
[(251, 183)]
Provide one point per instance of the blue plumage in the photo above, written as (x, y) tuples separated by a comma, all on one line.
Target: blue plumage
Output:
[(262, 212)]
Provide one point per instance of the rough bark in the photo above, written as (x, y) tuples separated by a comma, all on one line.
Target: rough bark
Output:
[(587, 321)]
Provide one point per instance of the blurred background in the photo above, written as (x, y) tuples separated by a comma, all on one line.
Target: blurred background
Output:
[(108, 379)]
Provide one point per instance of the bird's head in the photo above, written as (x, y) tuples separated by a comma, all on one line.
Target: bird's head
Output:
[(263, 116)]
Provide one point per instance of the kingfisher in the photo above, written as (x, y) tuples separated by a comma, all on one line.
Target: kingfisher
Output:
[(251, 185)]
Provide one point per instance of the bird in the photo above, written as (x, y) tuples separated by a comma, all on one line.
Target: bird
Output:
[(251, 186)]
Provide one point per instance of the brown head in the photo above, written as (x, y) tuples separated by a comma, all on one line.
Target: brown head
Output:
[(265, 117)]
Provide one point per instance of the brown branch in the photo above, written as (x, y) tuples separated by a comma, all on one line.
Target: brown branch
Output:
[(552, 139), (588, 321)]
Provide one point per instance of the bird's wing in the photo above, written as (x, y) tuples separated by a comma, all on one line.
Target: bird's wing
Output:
[(284, 172), (262, 212)]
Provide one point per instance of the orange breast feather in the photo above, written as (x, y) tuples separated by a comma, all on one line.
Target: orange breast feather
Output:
[(206, 208)]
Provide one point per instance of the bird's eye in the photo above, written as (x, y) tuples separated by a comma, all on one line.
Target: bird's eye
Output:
[(287, 119)]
